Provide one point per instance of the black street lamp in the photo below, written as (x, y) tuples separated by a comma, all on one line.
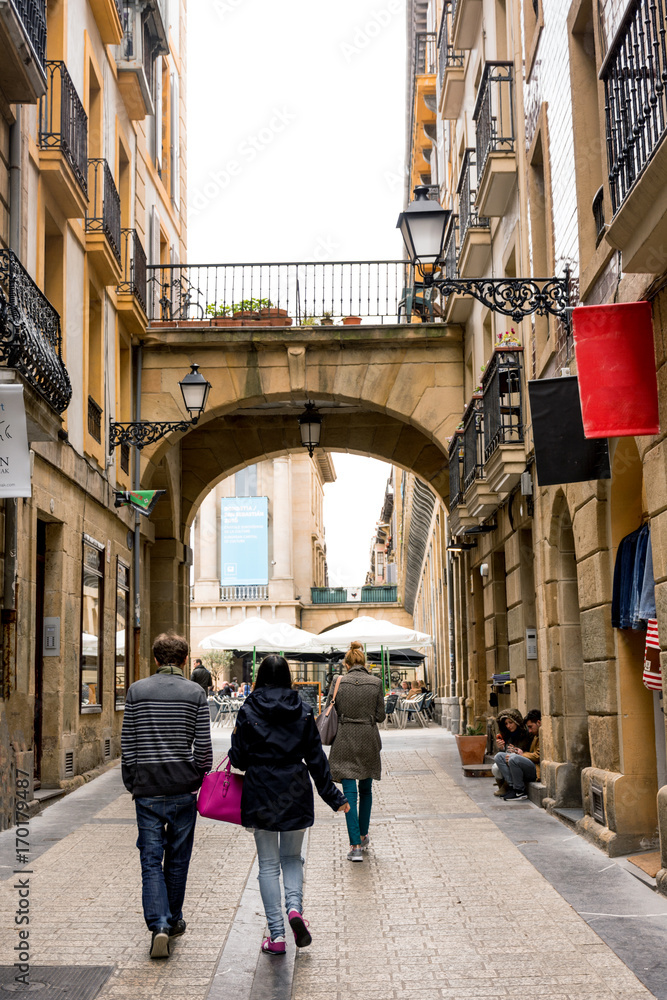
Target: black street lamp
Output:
[(310, 426), (423, 225), (194, 389)]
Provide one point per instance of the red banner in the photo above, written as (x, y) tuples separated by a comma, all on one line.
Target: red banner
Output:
[(616, 369)]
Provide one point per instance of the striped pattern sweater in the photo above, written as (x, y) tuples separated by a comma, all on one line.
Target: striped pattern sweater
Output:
[(166, 737)]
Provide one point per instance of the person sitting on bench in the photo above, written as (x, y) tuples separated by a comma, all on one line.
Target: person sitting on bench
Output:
[(524, 765)]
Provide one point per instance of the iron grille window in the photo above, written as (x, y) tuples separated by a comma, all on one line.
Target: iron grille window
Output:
[(473, 438), (451, 266), (94, 419), (133, 260), (467, 212), (503, 417), (494, 112), (33, 15), (104, 209), (125, 458), (634, 74), (63, 123)]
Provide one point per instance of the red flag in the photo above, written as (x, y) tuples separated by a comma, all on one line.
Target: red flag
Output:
[(616, 369)]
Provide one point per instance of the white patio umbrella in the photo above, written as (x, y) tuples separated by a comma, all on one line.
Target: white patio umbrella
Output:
[(284, 637), (268, 637), (376, 634)]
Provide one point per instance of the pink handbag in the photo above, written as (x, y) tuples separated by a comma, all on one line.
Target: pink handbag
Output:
[(220, 795)]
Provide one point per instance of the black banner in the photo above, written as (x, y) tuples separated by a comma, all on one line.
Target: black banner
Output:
[(562, 453)]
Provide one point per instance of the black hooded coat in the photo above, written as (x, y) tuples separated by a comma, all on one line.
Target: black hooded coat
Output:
[(277, 744)]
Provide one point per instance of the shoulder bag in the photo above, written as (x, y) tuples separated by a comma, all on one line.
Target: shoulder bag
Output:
[(327, 721), (220, 794)]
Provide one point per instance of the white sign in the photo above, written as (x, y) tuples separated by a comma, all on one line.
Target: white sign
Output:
[(14, 453)]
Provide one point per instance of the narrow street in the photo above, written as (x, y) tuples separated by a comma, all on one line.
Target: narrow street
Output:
[(459, 895)]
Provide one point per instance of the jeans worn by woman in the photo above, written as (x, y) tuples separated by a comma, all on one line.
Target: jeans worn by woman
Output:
[(166, 830), (359, 820), (275, 851)]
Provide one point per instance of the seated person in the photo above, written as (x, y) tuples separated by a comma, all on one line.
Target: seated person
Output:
[(226, 690), (524, 765), (415, 690), (512, 733)]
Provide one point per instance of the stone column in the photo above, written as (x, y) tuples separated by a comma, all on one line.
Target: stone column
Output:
[(207, 581), (282, 584)]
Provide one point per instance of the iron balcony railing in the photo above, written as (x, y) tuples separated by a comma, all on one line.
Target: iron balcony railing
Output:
[(425, 53), (30, 336), (381, 594), (473, 443), (634, 73), (451, 252), (455, 465), (63, 123), (465, 189), (303, 294), (32, 14), (246, 592), (328, 595), (133, 261), (598, 215), (503, 411), (494, 112), (372, 594), (104, 208), (94, 420), (447, 54)]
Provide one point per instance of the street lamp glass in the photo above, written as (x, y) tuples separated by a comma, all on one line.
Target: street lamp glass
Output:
[(195, 391), (423, 226), (310, 426)]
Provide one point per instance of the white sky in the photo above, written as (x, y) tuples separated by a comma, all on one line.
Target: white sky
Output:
[(295, 153)]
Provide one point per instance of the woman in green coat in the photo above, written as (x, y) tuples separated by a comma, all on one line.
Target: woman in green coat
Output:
[(355, 754)]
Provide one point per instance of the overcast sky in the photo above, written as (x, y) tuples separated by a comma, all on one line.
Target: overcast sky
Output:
[(295, 153)]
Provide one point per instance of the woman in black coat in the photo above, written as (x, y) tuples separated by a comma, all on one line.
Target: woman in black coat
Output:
[(277, 744)]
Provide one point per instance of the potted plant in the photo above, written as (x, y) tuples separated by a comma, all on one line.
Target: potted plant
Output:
[(472, 746), (271, 315), (508, 341), (351, 320), (326, 319)]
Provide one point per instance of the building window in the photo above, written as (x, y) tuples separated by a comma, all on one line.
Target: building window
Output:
[(122, 681), (245, 482), (92, 604)]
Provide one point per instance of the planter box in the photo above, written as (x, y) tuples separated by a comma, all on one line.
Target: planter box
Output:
[(472, 749)]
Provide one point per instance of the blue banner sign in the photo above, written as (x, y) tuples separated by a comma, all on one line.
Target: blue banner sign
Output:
[(244, 541)]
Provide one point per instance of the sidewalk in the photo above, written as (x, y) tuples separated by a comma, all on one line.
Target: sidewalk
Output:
[(450, 901)]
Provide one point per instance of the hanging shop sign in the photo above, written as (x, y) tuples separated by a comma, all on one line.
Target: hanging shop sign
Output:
[(14, 451), (562, 452), (616, 369)]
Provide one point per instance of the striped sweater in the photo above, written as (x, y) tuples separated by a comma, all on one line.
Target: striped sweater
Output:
[(166, 738)]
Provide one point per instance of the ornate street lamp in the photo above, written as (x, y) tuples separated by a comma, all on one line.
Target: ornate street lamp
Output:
[(195, 390), (310, 426), (423, 226)]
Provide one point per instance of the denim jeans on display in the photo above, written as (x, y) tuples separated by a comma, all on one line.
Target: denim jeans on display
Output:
[(166, 833), (517, 771), (358, 821), (628, 580), (275, 851)]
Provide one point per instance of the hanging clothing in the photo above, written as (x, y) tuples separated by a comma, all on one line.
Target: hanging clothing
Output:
[(647, 596), (652, 672), (629, 579)]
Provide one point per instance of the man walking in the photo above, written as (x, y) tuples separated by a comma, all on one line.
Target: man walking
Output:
[(166, 750), (200, 675)]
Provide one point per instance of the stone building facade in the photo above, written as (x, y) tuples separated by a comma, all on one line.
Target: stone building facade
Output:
[(92, 188)]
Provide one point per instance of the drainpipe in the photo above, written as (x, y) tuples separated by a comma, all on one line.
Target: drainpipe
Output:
[(137, 521)]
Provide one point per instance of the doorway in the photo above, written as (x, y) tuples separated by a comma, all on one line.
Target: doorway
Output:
[(40, 575)]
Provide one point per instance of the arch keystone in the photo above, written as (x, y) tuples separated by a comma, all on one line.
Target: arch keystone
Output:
[(296, 363)]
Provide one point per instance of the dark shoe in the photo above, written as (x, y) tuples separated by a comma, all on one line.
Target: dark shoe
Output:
[(177, 929), (274, 946), (514, 794), (160, 943), (302, 936)]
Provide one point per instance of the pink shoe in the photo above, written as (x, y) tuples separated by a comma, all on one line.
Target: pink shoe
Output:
[(300, 927), (273, 946)]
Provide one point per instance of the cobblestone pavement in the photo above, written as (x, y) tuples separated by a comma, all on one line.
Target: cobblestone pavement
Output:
[(445, 905)]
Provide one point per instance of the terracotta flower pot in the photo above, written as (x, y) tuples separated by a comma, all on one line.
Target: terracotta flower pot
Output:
[(472, 749), (272, 313), (326, 322), (351, 320)]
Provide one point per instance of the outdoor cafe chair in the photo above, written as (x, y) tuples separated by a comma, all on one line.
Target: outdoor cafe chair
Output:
[(411, 708), (390, 703)]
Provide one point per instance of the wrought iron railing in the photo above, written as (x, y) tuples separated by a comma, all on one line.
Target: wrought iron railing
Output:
[(468, 215), (451, 252), (494, 112), (447, 54), (503, 412), (433, 192), (94, 419), (247, 592), (455, 478), (368, 594), (328, 595), (30, 336), (634, 74), (133, 261), (382, 594), (104, 208), (473, 443), (598, 215), (425, 53), (33, 16), (63, 123), (304, 294), (125, 458)]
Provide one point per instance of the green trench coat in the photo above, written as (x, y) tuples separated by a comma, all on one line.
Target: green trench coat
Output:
[(360, 705)]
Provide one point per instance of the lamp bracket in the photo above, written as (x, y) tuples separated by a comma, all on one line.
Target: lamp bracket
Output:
[(140, 433), (514, 297)]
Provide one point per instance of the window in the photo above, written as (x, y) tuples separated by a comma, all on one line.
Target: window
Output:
[(122, 644), (92, 603), (245, 482)]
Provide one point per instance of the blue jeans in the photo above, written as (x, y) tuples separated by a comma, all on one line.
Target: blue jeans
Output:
[(517, 771), (166, 831), (358, 822), (275, 851)]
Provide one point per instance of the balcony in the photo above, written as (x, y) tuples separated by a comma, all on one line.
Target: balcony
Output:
[(354, 595), (246, 592), (634, 73), (504, 448), (131, 290), (466, 16), (480, 499), (474, 229), (22, 50), (459, 518), (30, 336), (63, 142), (424, 105), (107, 14), (103, 222), (451, 70), (144, 38), (457, 308), (496, 155)]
